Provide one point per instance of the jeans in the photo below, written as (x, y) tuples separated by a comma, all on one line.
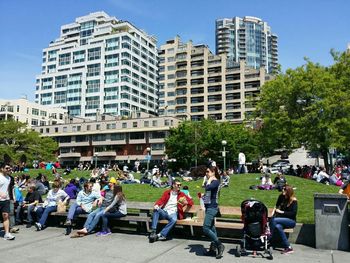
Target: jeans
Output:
[(209, 226), (43, 213), (161, 214), (108, 215), (277, 224), (241, 169), (19, 213), (74, 211), (93, 219)]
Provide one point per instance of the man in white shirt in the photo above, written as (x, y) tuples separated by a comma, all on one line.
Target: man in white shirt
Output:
[(241, 161), (5, 180)]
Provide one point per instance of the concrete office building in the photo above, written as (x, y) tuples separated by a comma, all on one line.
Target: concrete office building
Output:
[(248, 39), (195, 84), (110, 139), (31, 113), (99, 63)]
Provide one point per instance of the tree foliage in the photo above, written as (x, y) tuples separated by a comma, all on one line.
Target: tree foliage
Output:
[(20, 143), (309, 105), (192, 141)]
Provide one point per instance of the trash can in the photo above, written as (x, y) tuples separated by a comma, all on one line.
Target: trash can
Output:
[(331, 221)]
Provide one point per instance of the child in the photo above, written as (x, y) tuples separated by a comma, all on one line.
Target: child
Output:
[(186, 191)]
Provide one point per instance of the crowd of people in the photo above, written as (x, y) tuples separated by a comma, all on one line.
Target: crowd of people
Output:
[(101, 197)]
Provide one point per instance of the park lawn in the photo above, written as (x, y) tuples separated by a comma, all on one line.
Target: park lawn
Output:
[(233, 195)]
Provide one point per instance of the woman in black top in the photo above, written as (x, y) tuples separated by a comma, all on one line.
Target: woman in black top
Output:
[(284, 216), (210, 199)]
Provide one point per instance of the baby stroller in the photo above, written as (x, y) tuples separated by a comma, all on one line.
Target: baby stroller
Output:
[(255, 230)]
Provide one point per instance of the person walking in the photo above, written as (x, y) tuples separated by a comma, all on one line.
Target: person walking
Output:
[(170, 207), (210, 200), (284, 216), (5, 180)]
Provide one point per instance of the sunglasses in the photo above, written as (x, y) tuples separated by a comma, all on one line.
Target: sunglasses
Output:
[(178, 184)]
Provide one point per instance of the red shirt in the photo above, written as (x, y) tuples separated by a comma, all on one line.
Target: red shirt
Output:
[(163, 200)]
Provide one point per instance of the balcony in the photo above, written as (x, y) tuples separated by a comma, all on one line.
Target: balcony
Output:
[(70, 155), (107, 154), (137, 141)]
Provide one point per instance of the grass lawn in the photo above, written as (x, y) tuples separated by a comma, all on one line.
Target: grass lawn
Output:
[(229, 196)]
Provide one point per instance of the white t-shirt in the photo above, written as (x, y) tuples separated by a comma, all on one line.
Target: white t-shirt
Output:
[(53, 197), (171, 206), (4, 185), (241, 158)]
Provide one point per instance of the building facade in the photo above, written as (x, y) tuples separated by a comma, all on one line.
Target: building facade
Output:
[(109, 139), (31, 113), (195, 84), (99, 63), (248, 39)]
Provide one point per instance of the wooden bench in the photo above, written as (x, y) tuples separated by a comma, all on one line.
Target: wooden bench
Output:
[(138, 213), (141, 213), (230, 218)]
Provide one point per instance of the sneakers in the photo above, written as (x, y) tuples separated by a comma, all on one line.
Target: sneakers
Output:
[(38, 226), (221, 249), (288, 250), (103, 233), (68, 222), (8, 236), (161, 238)]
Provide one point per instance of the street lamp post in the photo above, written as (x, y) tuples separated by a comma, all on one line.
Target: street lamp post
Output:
[(96, 155), (148, 149), (223, 142)]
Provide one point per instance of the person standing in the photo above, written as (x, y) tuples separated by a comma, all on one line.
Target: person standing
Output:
[(241, 163), (210, 200), (170, 207), (5, 180), (284, 216)]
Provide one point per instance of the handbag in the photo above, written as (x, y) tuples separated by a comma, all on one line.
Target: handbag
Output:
[(61, 207)]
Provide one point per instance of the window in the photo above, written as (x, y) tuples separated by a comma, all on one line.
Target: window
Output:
[(64, 59), (146, 123), (124, 125), (98, 127), (35, 112), (93, 70), (99, 137), (79, 56), (137, 135), (111, 126), (117, 136), (134, 124), (154, 123), (94, 53), (157, 146)]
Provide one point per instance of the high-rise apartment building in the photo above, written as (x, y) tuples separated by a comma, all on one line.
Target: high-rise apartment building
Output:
[(248, 39), (100, 63), (196, 84)]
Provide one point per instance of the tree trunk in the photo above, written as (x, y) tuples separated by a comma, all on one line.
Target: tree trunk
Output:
[(324, 154)]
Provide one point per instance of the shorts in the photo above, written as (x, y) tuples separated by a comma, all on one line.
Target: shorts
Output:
[(5, 206)]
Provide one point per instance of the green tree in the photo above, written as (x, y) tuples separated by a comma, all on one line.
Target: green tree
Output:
[(194, 143), (307, 106), (20, 143)]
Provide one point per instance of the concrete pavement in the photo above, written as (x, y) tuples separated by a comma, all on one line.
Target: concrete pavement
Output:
[(51, 245)]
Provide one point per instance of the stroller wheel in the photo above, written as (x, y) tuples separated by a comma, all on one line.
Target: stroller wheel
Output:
[(238, 251)]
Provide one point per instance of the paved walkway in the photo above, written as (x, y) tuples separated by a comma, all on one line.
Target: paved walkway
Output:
[(51, 245)]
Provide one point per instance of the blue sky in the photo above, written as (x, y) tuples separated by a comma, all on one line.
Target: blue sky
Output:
[(306, 28)]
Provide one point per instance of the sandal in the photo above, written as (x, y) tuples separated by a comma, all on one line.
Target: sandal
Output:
[(77, 235)]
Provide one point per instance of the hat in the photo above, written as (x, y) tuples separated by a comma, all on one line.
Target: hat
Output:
[(113, 180)]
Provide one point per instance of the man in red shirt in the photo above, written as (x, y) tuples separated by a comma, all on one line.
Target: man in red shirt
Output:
[(170, 207)]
